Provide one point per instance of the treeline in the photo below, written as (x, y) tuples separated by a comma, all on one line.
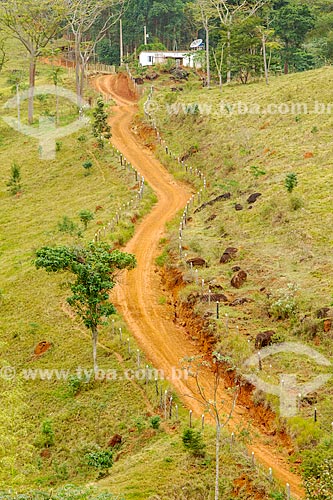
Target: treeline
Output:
[(295, 34)]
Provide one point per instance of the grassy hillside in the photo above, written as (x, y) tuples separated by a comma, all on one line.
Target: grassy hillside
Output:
[(246, 140), (55, 430)]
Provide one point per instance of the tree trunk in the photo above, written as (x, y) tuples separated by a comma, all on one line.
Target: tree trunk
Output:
[(57, 106), (18, 102), (286, 68), (207, 54), (265, 58), (217, 459), (77, 68), (32, 78), (228, 56), (94, 335), (82, 77)]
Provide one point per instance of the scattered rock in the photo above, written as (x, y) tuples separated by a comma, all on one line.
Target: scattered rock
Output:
[(224, 196), (42, 347), (192, 150), (239, 279), (308, 154), (138, 80), (228, 254), (212, 217), (115, 440), (235, 269), (238, 207), (325, 312), (264, 339), (152, 76), (253, 197), (197, 262), (98, 208), (214, 297), (179, 74), (327, 325), (45, 453), (240, 301)]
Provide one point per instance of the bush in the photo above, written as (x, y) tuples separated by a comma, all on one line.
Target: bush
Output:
[(66, 225), (99, 459), (14, 183), (296, 203), (47, 433), (86, 216), (290, 182), (320, 485), (284, 304), (155, 422), (87, 165), (193, 442)]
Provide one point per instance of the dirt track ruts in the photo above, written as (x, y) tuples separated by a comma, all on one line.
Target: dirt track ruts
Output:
[(136, 296)]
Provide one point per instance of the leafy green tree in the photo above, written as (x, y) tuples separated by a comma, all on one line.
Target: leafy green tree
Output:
[(292, 22), (94, 269), (86, 216), (33, 24), (101, 129)]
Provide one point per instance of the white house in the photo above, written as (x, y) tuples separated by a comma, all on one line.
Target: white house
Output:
[(151, 57)]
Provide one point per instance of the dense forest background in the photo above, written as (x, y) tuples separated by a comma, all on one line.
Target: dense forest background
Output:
[(298, 33)]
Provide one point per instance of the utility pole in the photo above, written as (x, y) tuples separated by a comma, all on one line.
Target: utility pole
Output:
[(121, 41)]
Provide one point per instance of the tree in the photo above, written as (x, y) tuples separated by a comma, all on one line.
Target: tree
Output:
[(211, 403), (94, 269), (56, 78), (101, 129), (90, 21), (292, 23), (231, 11), (3, 56), (34, 24)]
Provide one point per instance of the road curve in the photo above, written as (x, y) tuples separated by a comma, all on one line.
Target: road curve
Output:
[(136, 296)]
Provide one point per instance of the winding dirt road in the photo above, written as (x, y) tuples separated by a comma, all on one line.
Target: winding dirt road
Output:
[(136, 296)]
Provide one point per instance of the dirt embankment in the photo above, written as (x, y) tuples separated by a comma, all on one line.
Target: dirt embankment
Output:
[(198, 330)]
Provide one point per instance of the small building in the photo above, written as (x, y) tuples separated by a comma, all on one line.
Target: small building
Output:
[(151, 57)]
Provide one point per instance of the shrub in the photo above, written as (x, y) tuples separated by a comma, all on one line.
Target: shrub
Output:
[(86, 216), (290, 182), (14, 183), (193, 442), (87, 166), (66, 225), (284, 304), (296, 203), (319, 486), (74, 384), (256, 171), (99, 459), (155, 422), (47, 433)]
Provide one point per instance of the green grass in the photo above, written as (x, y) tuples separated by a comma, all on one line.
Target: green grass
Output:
[(48, 426), (285, 238)]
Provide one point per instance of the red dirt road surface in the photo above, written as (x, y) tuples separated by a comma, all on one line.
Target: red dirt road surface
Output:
[(136, 295)]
